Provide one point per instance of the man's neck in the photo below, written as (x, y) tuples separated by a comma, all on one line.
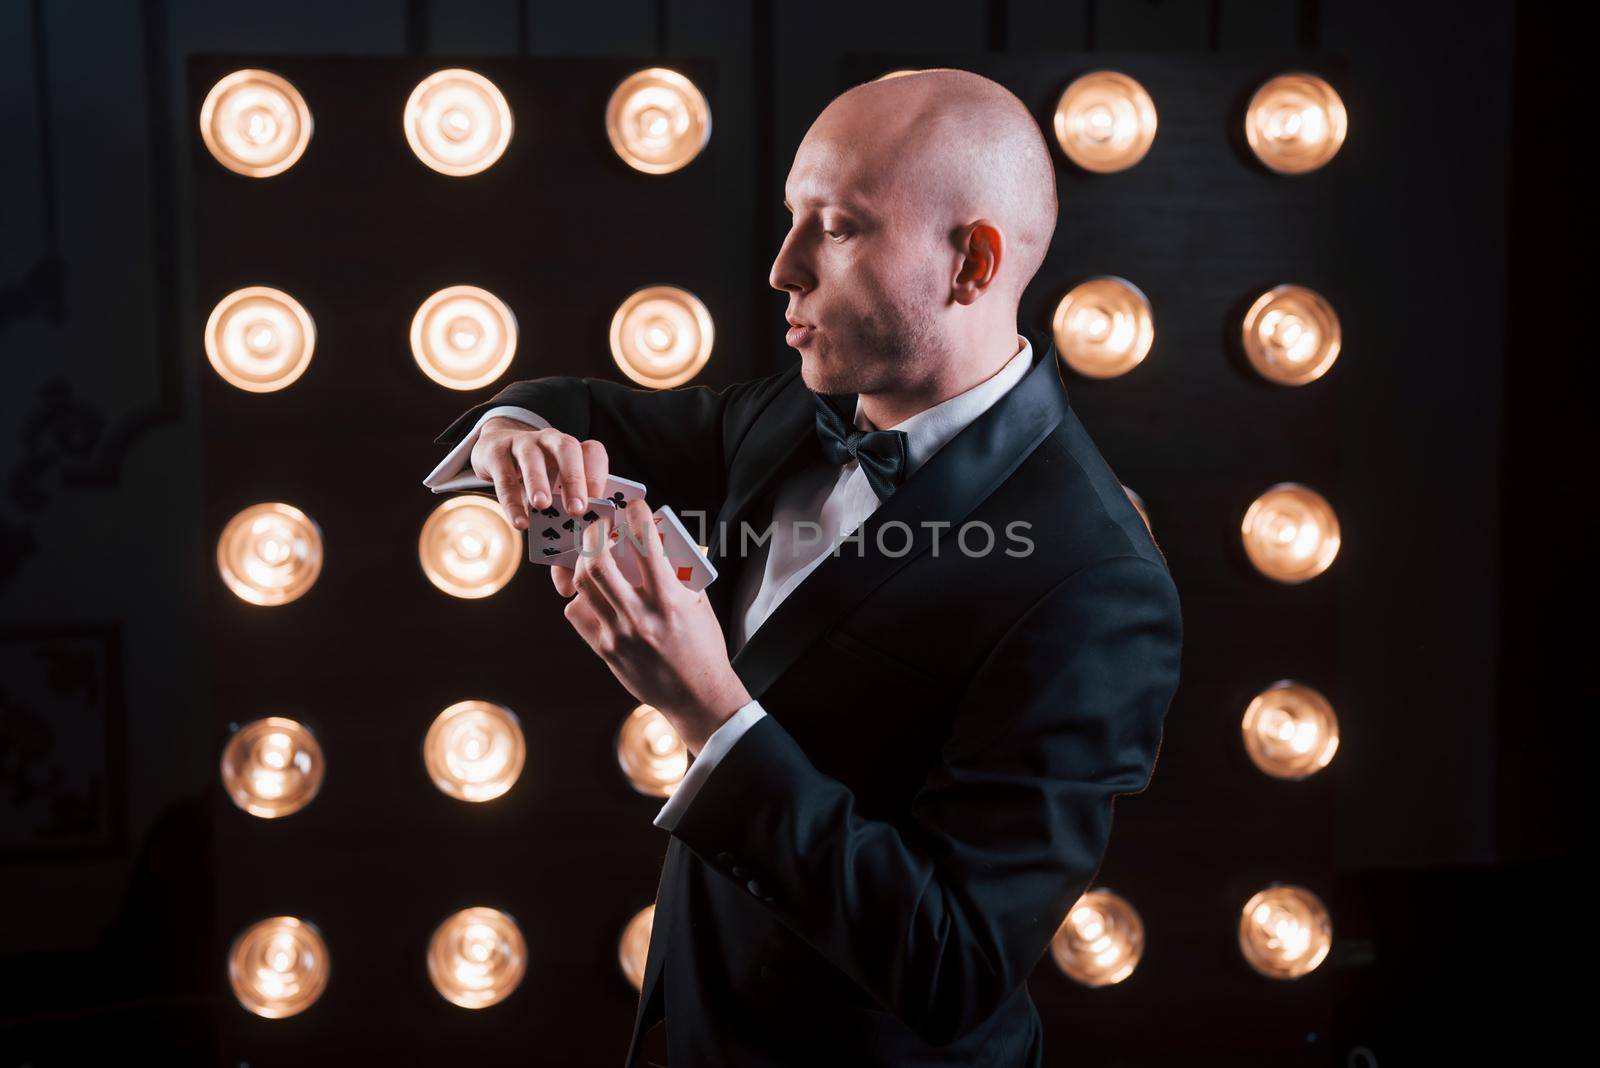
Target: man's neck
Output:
[(884, 410)]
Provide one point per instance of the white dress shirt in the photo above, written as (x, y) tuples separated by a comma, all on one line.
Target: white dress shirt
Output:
[(836, 500)]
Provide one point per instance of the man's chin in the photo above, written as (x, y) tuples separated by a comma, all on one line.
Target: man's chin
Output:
[(816, 374), (824, 371)]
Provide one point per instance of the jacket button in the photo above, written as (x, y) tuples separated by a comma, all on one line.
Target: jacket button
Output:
[(724, 858), (740, 873), (755, 888)]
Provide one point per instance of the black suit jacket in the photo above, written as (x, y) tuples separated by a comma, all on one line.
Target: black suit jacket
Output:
[(869, 875)]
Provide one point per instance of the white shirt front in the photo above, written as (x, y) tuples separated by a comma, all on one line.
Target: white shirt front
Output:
[(814, 510)]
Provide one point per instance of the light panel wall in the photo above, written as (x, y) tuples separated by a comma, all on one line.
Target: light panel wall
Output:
[(361, 233)]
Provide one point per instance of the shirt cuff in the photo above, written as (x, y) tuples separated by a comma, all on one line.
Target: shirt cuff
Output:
[(455, 470), (720, 742)]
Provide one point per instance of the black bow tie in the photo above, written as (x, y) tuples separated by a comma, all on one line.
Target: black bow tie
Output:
[(881, 453)]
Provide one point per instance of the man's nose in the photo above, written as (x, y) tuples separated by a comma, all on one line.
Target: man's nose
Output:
[(788, 271)]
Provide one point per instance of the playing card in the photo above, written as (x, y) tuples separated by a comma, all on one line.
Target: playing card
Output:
[(553, 533), (683, 555), (553, 557), (688, 562)]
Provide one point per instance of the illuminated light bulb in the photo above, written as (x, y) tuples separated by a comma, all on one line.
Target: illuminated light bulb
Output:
[(658, 121), (1285, 931), (477, 957), (457, 122), (278, 966), (272, 767), (255, 123), (474, 750), (1295, 123), (463, 337), (661, 336), (1138, 506), (259, 339), (653, 757), (1290, 730), (633, 948), (1100, 941), (1103, 327), (1105, 121), (1291, 335), (270, 553), (468, 547), (1290, 533)]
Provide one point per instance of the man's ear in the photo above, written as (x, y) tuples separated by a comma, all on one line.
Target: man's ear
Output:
[(982, 248)]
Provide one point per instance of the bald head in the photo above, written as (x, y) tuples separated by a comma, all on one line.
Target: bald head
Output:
[(922, 205), (952, 147)]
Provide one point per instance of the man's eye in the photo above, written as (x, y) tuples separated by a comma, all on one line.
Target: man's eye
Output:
[(834, 233)]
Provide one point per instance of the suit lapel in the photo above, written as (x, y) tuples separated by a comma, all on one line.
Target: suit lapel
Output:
[(958, 477), (787, 439)]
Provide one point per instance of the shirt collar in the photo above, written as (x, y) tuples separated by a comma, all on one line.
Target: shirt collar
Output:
[(928, 430)]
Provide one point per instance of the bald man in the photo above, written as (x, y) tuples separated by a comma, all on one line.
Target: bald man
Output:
[(942, 641)]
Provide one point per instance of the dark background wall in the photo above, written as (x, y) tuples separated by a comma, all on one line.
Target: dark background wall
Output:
[(1450, 656)]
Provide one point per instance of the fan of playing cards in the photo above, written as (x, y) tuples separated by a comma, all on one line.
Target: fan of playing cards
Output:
[(556, 538)]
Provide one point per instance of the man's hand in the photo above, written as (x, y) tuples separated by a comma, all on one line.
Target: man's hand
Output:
[(662, 642), (526, 464)]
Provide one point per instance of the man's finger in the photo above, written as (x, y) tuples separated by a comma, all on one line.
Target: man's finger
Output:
[(568, 456), (580, 613), (594, 555), (565, 580), (534, 476), (596, 466), (607, 581), (655, 568), (508, 488)]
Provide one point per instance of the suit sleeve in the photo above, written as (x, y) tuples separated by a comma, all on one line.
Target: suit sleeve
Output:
[(454, 472), (721, 740), (942, 917), (676, 441)]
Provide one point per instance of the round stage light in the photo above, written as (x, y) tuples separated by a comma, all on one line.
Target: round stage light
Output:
[(468, 547), (1103, 327), (1105, 121), (653, 757), (658, 121), (259, 339), (633, 948), (1291, 335), (1101, 940), (1285, 931), (477, 957), (1290, 533), (661, 336), (463, 337), (457, 122), (270, 553), (255, 123), (474, 750), (272, 767), (278, 966), (1290, 730), (1295, 123), (1138, 506)]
